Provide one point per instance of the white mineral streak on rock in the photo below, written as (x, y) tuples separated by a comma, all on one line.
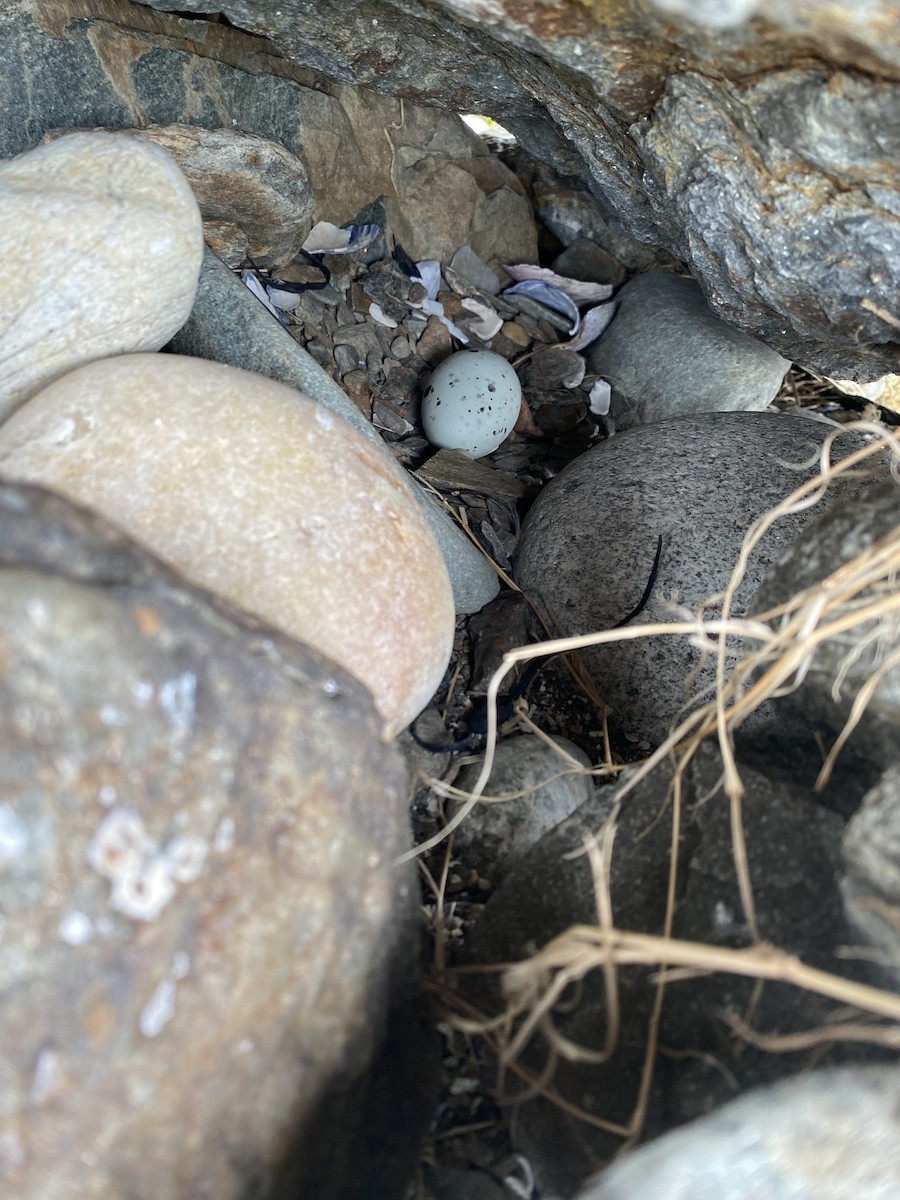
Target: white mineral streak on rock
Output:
[(14, 838), (37, 613), (224, 837), (159, 1009), (176, 699), (143, 877), (186, 857), (142, 690), (112, 716), (45, 1078), (12, 1152), (76, 928), (143, 893), (181, 964), (100, 248), (118, 844)]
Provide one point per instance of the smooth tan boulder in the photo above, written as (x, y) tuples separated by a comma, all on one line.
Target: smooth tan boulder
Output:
[(259, 494), (100, 249)]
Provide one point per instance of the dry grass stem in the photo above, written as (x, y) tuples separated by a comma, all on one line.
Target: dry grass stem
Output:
[(787, 1043)]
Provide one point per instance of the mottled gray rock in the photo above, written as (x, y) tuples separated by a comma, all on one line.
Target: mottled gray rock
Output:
[(793, 854), (793, 222), (871, 881), (494, 835), (584, 259), (124, 65), (245, 181), (230, 326), (847, 528), (827, 1135), (666, 354), (776, 181), (587, 545), (204, 926)]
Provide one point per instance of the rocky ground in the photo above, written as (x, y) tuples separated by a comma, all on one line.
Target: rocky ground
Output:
[(365, 328), (650, 437)]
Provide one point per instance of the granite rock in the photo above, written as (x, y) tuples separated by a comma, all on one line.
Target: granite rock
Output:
[(666, 354), (825, 1135), (204, 926), (102, 253), (260, 494), (810, 220), (587, 545)]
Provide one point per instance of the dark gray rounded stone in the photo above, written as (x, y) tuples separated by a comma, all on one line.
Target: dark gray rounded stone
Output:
[(845, 529), (871, 879), (793, 847), (493, 836), (666, 354), (587, 545)]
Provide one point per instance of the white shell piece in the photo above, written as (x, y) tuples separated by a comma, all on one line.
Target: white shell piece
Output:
[(324, 237), (471, 402), (286, 301), (598, 401), (249, 280), (593, 323), (430, 276), (489, 321), (382, 318), (579, 291)]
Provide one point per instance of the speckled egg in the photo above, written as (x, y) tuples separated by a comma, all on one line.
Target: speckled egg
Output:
[(471, 402)]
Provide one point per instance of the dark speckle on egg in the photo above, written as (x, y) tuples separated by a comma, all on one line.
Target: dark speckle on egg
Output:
[(492, 387)]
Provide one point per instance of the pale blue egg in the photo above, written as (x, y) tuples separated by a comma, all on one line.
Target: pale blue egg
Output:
[(471, 402)]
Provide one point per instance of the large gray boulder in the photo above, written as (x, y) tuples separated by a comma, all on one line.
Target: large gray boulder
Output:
[(204, 931), (699, 482), (761, 152)]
